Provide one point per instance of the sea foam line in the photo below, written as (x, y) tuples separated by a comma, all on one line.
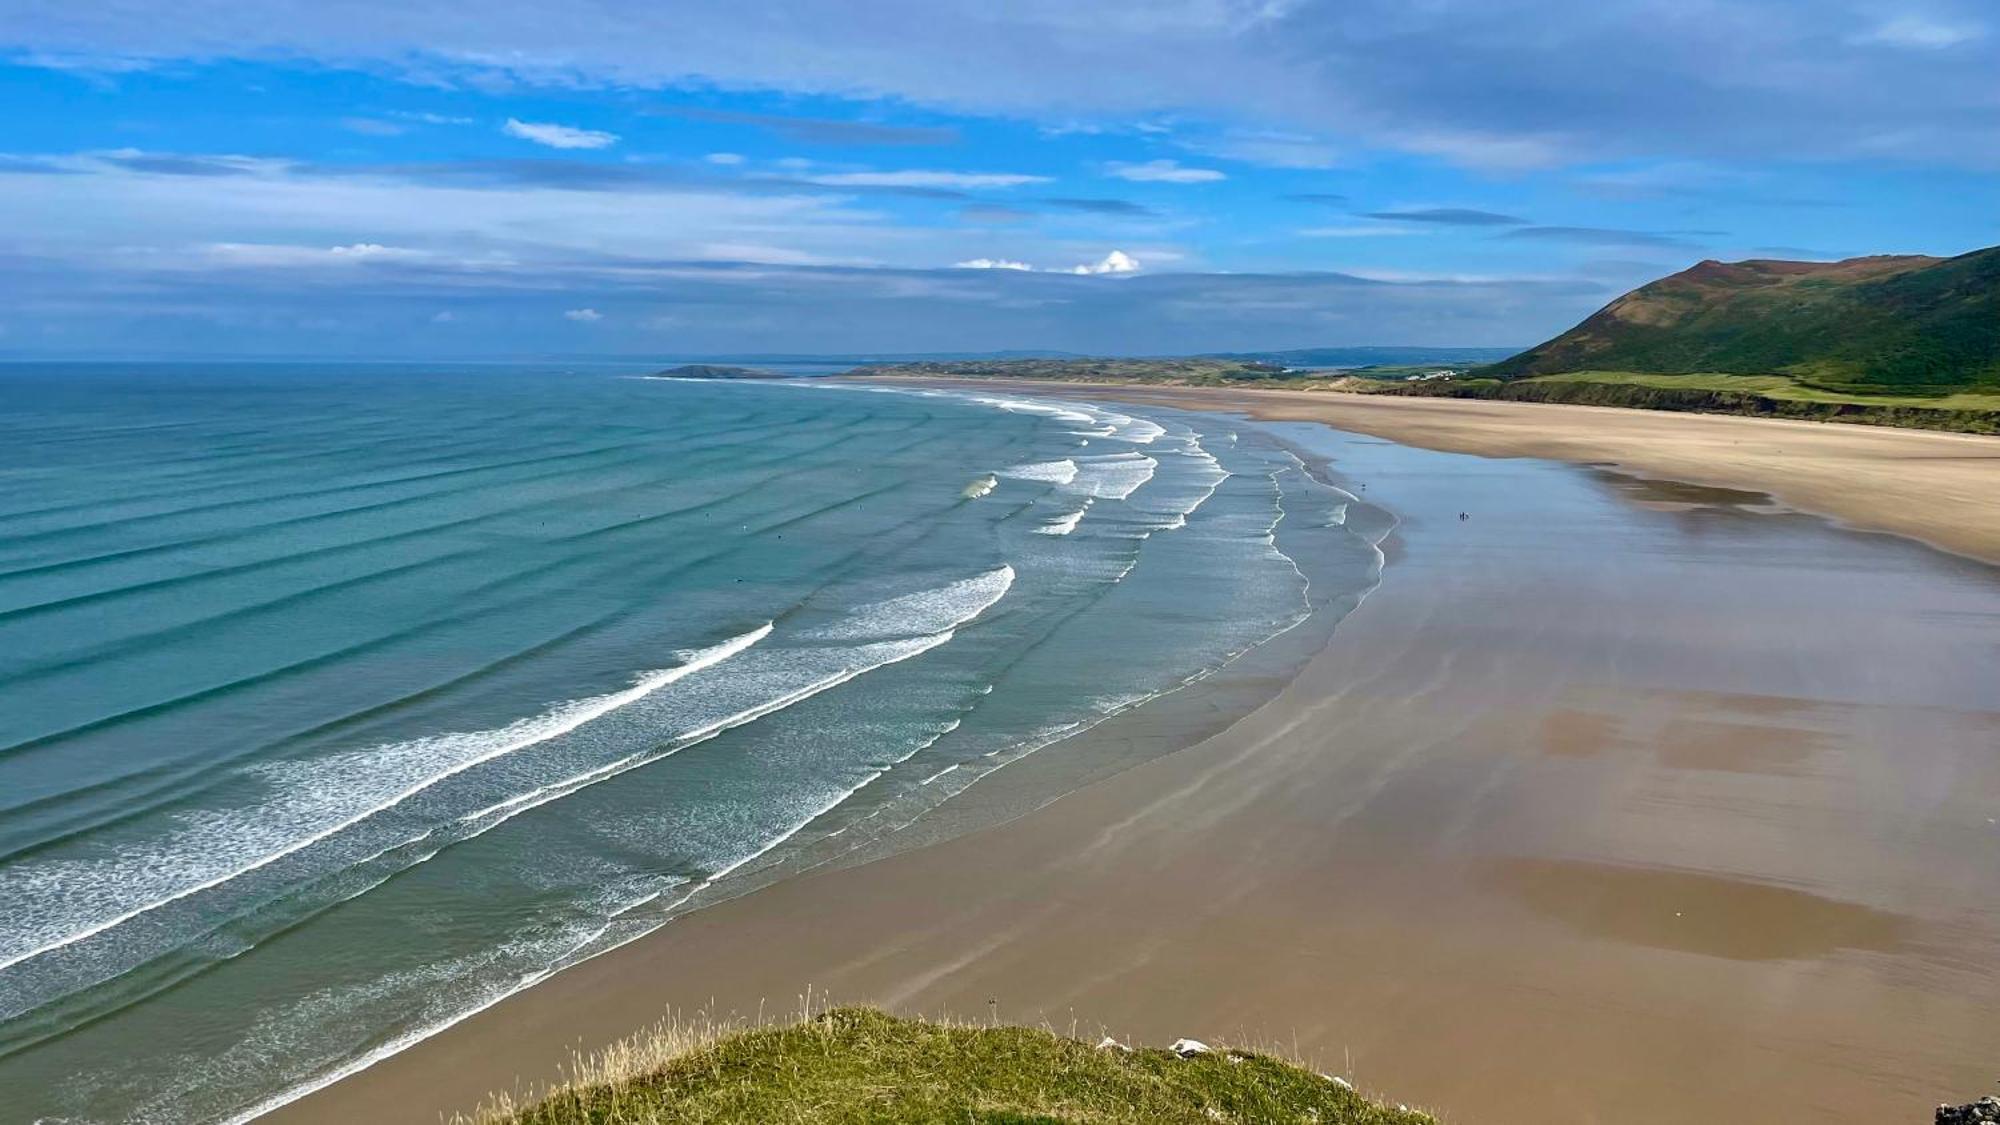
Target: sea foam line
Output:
[(413, 1037), (527, 733)]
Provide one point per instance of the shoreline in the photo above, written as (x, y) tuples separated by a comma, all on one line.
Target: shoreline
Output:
[(1930, 486), (1073, 908)]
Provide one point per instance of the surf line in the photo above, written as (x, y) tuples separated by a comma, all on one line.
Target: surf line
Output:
[(600, 706)]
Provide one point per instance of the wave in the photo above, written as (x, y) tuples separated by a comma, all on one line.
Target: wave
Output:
[(1113, 476), (318, 809), (1063, 525), (1051, 472), (921, 613)]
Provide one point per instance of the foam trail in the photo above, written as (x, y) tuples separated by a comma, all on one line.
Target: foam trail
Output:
[(498, 743)]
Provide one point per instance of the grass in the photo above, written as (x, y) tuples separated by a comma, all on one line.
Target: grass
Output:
[(1780, 387), (862, 1065)]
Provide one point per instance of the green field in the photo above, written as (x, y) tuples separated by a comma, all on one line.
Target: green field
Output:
[(1779, 387), (855, 1065)]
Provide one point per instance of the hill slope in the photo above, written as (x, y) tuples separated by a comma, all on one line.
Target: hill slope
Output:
[(858, 1065), (1898, 324)]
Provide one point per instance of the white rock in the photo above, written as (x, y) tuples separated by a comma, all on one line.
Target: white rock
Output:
[(1338, 1081), (1188, 1048), (1109, 1044)]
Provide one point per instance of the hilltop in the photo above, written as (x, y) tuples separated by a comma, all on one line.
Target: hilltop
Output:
[(858, 1064), (1902, 324)]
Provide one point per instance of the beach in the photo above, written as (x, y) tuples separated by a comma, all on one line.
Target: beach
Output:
[(1639, 791)]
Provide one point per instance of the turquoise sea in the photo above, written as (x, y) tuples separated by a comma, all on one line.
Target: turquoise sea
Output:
[(338, 702)]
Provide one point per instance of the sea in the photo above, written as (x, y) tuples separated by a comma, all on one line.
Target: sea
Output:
[(341, 701)]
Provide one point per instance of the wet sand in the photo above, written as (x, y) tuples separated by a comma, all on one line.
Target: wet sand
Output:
[(1937, 488), (1619, 801)]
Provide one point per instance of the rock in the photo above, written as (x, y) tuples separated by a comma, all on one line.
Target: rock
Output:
[(1338, 1081), (1109, 1044), (1981, 1112), (1189, 1048)]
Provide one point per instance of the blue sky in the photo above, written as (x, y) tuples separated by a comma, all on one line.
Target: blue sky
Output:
[(420, 178)]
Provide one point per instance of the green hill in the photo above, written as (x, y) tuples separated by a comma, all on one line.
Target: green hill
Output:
[(856, 1065), (1886, 324)]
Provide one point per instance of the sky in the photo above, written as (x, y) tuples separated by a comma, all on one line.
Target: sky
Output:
[(418, 178)]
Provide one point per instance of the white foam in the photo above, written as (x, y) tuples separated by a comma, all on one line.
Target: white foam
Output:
[(920, 613), (1114, 476), (313, 801), (1052, 472), (1063, 525)]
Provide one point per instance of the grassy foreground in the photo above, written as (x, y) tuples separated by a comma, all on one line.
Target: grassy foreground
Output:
[(861, 1065)]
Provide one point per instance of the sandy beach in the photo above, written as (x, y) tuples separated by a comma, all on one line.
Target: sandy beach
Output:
[(1637, 795), (1933, 487)]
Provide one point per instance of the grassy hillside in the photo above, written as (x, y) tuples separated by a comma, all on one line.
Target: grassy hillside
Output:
[(1884, 324), (859, 1065)]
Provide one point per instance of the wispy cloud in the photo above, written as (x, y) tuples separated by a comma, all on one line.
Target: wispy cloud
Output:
[(1116, 262), (1448, 216), (926, 179), (583, 316), (1267, 148), (825, 131), (1598, 236), (1921, 33), (558, 136), (372, 127), (1368, 230), (1100, 206), (1163, 172)]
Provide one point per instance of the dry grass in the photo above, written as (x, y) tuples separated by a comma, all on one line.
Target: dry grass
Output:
[(853, 1065)]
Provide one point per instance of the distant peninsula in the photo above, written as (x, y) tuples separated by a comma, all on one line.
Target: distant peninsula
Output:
[(1895, 340), (713, 371)]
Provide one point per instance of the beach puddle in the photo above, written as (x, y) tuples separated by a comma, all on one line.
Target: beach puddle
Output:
[(1704, 744), (1682, 496), (1579, 734), (1691, 912)]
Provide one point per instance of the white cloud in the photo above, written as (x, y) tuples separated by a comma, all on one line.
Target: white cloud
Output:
[(1118, 261), (281, 256), (724, 158), (1920, 33), (992, 264), (558, 136), (925, 179), (583, 316), (1163, 172)]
